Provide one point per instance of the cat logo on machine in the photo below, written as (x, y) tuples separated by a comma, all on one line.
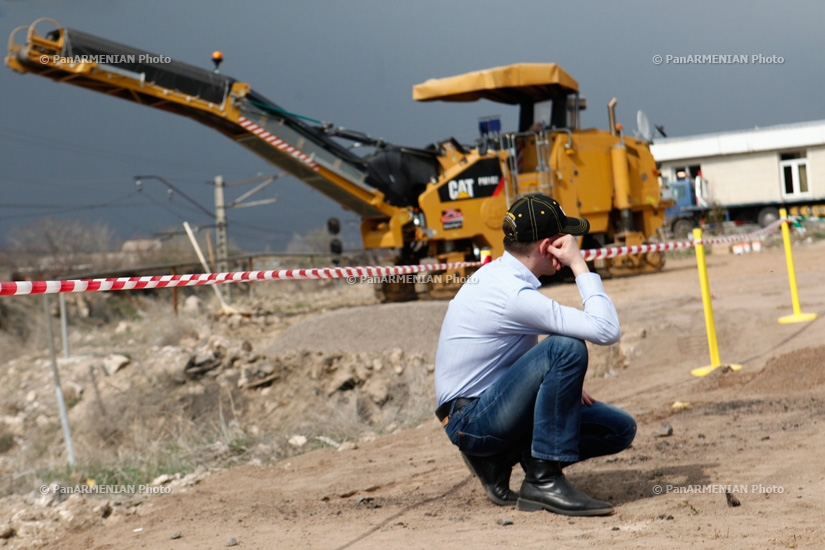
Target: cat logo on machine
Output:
[(461, 189), (480, 180), (452, 218)]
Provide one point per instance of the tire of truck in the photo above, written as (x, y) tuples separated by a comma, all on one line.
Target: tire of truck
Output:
[(682, 229), (767, 216)]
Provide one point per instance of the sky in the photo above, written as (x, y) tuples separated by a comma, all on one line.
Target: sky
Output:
[(70, 153)]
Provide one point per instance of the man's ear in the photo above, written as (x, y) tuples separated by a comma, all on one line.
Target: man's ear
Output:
[(544, 244)]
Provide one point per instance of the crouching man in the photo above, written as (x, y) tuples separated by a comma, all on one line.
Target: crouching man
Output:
[(504, 397)]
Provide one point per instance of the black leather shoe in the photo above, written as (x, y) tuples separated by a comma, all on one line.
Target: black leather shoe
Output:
[(494, 474), (546, 488)]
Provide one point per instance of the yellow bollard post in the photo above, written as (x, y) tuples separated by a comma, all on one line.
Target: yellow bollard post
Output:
[(798, 316), (710, 325)]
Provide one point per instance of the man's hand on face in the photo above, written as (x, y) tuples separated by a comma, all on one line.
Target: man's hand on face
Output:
[(564, 251)]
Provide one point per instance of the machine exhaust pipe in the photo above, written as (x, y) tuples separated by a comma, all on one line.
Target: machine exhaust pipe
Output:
[(621, 175), (611, 116)]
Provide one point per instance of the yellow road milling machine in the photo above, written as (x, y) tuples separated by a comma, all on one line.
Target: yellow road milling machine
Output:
[(438, 203)]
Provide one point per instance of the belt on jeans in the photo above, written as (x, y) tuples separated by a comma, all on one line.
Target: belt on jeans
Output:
[(443, 412)]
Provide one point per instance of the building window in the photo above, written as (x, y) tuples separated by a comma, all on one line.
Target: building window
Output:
[(793, 168)]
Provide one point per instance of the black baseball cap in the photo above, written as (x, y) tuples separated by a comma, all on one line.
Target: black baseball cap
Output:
[(536, 217)]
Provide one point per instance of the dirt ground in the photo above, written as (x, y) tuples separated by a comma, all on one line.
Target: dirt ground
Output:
[(754, 432)]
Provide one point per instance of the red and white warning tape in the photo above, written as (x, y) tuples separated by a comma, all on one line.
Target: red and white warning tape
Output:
[(758, 233), (19, 288), (614, 252), (598, 253)]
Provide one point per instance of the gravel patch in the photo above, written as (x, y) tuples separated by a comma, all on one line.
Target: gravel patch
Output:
[(413, 327)]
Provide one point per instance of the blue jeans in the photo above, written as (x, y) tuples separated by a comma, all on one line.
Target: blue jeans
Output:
[(538, 402)]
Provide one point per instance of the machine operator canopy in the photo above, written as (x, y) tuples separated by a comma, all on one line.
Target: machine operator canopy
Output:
[(523, 83)]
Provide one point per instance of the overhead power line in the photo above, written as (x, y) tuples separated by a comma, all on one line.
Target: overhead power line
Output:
[(62, 209), (12, 134), (200, 207)]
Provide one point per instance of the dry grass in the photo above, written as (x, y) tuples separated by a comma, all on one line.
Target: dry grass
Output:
[(149, 419)]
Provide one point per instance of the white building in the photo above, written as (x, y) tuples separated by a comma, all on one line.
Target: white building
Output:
[(775, 164)]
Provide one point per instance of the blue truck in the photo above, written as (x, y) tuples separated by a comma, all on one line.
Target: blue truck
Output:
[(692, 209)]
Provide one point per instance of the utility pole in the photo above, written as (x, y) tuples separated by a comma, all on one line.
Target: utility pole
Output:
[(221, 238), (221, 241)]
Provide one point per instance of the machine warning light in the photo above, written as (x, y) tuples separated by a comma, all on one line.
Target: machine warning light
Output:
[(217, 57)]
